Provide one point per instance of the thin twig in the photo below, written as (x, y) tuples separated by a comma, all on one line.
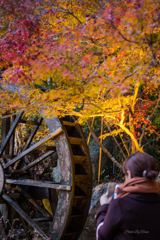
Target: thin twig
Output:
[(143, 130), (116, 141)]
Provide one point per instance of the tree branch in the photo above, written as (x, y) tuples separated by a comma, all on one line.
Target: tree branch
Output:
[(103, 148), (112, 24), (131, 136)]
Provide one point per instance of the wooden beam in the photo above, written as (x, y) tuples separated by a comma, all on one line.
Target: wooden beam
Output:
[(74, 140), (79, 159), (25, 216), (42, 141), (11, 131), (80, 177), (38, 160), (39, 183)]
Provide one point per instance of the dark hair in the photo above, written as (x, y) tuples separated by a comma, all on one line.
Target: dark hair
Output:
[(140, 165)]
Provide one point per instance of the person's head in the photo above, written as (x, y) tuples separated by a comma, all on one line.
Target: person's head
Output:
[(140, 165)]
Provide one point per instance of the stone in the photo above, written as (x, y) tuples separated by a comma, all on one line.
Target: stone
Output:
[(56, 172), (89, 230), (94, 148)]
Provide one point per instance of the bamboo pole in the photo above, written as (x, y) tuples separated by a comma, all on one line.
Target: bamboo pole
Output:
[(89, 136)]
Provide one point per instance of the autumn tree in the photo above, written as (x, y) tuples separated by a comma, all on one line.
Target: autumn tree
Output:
[(84, 58)]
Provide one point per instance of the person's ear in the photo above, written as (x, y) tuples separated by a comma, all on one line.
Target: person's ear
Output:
[(129, 174)]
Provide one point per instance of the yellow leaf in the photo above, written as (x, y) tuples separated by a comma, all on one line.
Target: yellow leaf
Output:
[(47, 205)]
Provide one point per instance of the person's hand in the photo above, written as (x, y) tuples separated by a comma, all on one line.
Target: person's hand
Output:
[(105, 199)]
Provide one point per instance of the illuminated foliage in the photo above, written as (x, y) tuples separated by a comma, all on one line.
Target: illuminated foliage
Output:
[(84, 58)]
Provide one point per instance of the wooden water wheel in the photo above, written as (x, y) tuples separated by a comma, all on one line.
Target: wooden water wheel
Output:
[(69, 197)]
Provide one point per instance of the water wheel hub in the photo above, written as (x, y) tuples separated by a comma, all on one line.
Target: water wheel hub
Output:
[(1, 178)]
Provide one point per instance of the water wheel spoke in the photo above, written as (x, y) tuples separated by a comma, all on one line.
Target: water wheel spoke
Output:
[(24, 224), (11, 131), (29, 140), (39, 183), (31, 200), (25, 216), (38, 160), (34, 131), (2, 227), (27, 151)]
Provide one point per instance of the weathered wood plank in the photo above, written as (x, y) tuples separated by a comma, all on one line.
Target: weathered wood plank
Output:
[(74, 140), (79, 159), (39, 183), (25, 216), (27, 151), (66, 123), (11, 131), (31, 200), (38, 160), (80, 177)]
